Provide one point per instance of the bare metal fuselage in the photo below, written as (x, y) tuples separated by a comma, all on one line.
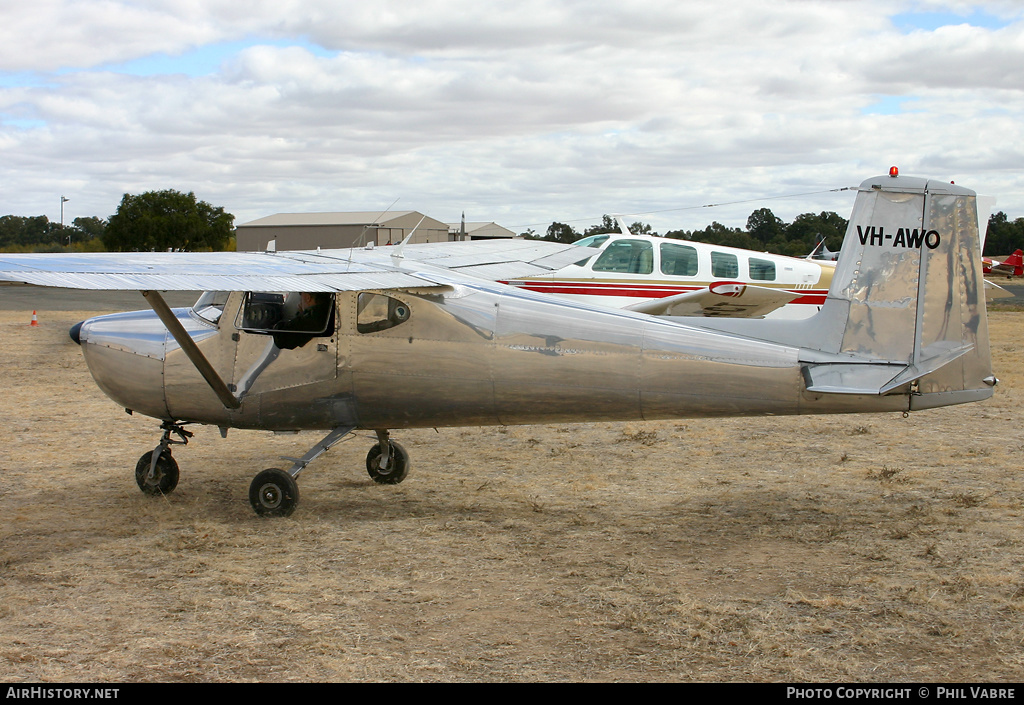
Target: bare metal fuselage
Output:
[(426, 338), (478, 355)]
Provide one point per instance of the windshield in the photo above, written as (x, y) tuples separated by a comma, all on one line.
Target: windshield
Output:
[(210, 305), (592, 241)]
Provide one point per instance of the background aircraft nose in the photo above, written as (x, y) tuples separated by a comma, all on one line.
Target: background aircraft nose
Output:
[(76, 331)]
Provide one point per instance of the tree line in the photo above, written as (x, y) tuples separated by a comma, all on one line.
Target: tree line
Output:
[(151, 221), (171, 220)]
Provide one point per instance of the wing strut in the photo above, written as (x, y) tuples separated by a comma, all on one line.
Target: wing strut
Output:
[(189, 347)]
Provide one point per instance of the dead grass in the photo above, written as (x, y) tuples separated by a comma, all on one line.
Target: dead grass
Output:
[(848, 548)]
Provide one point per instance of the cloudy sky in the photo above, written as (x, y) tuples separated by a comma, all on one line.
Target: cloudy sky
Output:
[(520, 111)]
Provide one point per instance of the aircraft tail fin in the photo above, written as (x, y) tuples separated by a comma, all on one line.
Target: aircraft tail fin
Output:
[(1016, 262), (906, 310)]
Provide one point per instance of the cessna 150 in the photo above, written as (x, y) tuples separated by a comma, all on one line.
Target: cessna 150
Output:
[(425, 336)]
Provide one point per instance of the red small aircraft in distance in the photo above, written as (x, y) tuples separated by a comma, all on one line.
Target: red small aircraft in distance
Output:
[(1012, 266)]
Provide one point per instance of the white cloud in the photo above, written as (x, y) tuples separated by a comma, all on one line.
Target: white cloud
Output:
[(523, 112)]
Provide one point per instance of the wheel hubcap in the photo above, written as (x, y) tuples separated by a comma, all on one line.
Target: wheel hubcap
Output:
[(271, 496)]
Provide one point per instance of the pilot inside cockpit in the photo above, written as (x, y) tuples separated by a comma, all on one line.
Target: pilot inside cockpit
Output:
[(311, 320), (268, 314)]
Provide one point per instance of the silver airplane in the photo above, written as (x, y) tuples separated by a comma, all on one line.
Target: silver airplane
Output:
[(425, 336)]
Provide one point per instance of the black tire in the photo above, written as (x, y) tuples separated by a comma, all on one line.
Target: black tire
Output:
[(399, 465), (166, 474), (274, 493)]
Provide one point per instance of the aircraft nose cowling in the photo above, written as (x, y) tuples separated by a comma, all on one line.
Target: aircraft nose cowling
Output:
[(76, 332), (125, 355)]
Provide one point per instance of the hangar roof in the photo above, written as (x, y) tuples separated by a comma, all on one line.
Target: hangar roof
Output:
[(349, 218)]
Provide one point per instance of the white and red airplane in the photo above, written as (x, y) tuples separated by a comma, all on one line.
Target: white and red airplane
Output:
[(668, 277), (1012, 266)]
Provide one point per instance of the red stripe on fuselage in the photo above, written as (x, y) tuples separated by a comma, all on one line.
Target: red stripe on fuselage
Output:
[(810, 297)]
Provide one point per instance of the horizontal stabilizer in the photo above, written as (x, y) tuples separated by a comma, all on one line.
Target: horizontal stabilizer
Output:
[(925, 366), (874, 376), (849, 378)]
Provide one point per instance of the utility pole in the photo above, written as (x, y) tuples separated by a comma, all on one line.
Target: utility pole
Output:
[(62, 202)]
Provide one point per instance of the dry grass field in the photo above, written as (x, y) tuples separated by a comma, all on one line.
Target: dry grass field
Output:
[(845, 548)]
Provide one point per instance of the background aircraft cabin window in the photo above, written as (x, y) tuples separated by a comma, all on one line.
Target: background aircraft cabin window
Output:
[(762, 270), (276, 312), (210, 305), (379, 312), (626, 257), (724, 264), (678, 260)]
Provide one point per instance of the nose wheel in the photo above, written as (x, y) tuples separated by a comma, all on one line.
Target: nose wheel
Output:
[(156, 478), (156, 473)]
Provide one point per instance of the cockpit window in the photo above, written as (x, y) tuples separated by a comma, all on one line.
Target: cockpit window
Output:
[(592, 241), (210, 305), (293, 318), (377, 312), (627, 256)]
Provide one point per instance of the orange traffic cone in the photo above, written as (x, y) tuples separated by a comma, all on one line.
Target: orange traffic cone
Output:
[(35, 321)]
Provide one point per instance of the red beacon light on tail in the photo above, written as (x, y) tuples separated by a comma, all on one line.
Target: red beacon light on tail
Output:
[(894, 171)]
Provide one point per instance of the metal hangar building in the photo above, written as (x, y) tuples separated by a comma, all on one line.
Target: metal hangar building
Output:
[(308, 231)]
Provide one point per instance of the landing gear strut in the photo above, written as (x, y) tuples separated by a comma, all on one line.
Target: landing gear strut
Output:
[(156, 473), (275, 492)]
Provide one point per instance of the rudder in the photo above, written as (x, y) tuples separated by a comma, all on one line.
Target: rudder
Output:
[(908, 291)]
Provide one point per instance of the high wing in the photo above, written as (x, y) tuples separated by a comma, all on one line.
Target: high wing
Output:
[(390, 267), (719, 300)]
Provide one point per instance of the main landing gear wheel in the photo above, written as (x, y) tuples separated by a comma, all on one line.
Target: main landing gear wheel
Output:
[(274, 493), (165, 475), (397, 466)]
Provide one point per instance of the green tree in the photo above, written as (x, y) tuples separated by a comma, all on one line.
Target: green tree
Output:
[(1004, 236), (611, 225), (607, 225), (25, 232), (560, 232), (162, 220), (10, 230), (91, 227), (805, 230), (764, 226), (718, 234), (678, 234)]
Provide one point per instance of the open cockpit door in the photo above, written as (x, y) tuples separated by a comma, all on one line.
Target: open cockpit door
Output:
[(284, 339)]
